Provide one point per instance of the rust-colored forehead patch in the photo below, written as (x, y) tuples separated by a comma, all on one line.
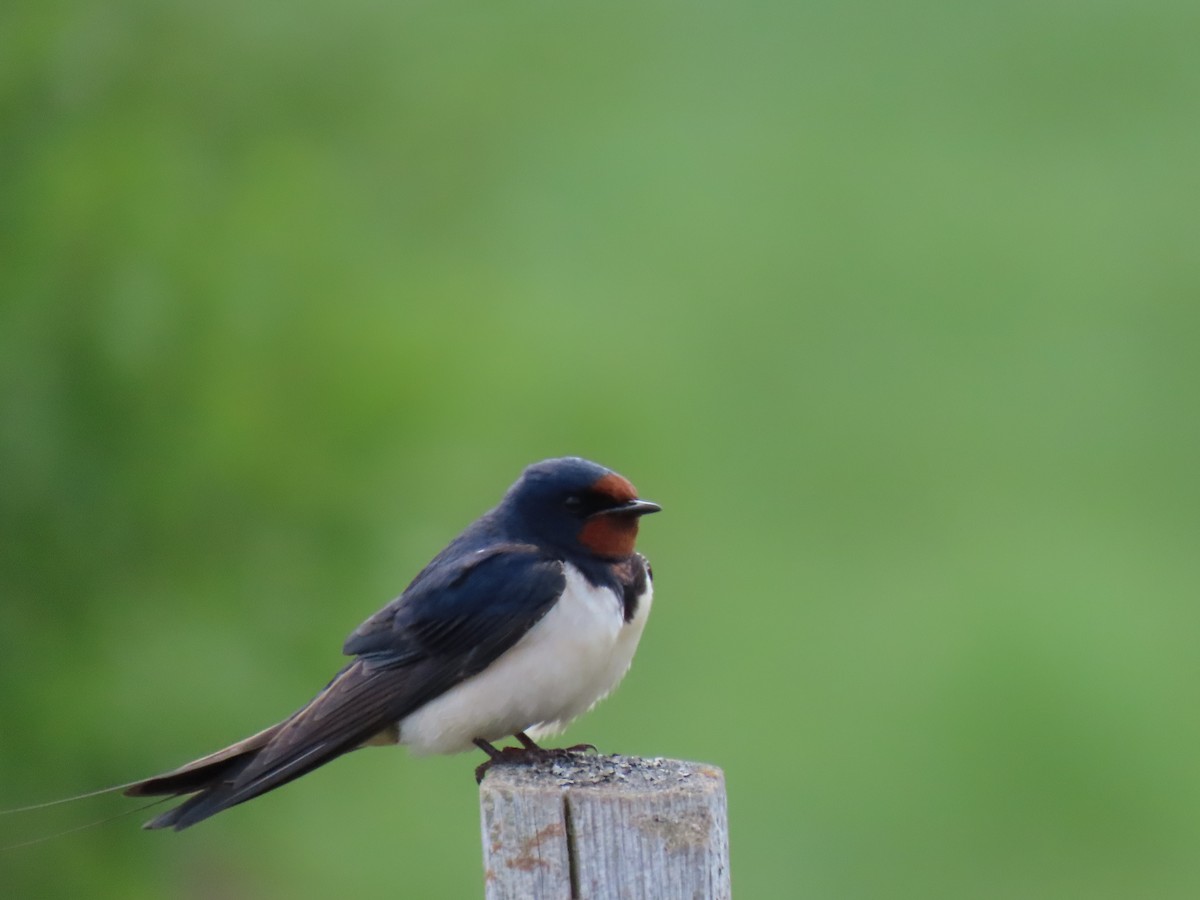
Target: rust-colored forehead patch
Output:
[(613, 485)]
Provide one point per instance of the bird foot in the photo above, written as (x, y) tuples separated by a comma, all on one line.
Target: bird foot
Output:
[(528, 752)]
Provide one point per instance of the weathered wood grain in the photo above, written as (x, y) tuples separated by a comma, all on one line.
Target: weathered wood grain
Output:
[(603, 828)]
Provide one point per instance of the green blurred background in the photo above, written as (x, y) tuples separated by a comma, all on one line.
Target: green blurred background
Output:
[(894, 308)]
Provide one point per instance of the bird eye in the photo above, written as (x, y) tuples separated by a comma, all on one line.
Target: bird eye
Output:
[(573, 502)]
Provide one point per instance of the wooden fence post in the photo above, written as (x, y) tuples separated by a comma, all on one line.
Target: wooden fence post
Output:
[(604, 828)]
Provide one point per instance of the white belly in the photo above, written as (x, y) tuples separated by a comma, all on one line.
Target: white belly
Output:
[(569, 660)]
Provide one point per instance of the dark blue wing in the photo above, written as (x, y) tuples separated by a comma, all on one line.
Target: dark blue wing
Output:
[(465, 611)]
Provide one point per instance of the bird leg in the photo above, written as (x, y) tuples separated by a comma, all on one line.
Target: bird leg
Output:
[(526, 741), (488, 748)]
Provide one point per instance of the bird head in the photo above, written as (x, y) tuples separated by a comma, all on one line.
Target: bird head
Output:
[(578, 505)]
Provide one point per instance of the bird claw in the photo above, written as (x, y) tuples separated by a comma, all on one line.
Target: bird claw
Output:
[(580, 748)]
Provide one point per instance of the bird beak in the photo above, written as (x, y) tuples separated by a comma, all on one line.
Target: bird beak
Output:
[(631, 508)]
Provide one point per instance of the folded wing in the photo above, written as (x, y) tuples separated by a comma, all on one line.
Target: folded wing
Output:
[(456, 617)]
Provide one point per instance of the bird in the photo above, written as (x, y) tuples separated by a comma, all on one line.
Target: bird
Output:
[(525, 620)]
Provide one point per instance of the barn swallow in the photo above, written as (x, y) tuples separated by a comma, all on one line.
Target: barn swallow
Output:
[(523, 622)]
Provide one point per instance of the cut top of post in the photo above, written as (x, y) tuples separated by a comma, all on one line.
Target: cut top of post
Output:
[(598, 827)]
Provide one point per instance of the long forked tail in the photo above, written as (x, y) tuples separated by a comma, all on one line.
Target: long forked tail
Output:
[(360, 705), (203, 777)]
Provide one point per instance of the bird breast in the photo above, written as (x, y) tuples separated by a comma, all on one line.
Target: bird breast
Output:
[(568, 661)]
